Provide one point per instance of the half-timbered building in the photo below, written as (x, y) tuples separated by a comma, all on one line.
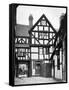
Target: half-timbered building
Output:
[(39, 49)]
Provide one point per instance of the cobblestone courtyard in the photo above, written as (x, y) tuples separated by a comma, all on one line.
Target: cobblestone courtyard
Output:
[(35, 80)]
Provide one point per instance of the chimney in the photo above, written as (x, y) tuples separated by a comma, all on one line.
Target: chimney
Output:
[(30, 20)]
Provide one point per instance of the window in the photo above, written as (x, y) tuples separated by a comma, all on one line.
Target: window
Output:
[(34, 49), (40, 28), (32, 40), (33, 33), (45, 35), (46, 56), (23, 53), (45, 41), (45, 28), (46, 50), (34, 56), (41, 35), (36, 34), (40, 56), (50, 35), (43, 22), (47, 24), (50, 42), (40, 50), (27, 41), (51, 29), (22, 40), (51, 49), (40, 53)]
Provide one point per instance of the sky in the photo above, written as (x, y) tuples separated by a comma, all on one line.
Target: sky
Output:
[(52, 13)]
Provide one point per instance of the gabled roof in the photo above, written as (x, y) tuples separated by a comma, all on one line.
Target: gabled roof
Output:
[(39, 21), (22, 30)]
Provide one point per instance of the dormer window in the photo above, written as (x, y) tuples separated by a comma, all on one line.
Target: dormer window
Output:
[(43, 22)]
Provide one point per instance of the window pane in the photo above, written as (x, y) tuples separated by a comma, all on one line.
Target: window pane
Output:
[(34, 49), (40, 28), (32, 40), (51, 30), (50, 35), (40, 56), (41, 35), (40, 51), (45, 41), (33, 33), (51, 49), (47, 24), (43, 22), (46, 56), (45, 28), (36, 34), (34, 56), (27, 41)]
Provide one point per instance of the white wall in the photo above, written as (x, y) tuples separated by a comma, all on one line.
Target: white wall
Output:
[(58, 73)]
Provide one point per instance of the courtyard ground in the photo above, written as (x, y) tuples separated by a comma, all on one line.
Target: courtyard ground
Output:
[(35, 80)]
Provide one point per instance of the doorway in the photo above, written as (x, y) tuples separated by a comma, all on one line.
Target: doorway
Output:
[(37, 68)]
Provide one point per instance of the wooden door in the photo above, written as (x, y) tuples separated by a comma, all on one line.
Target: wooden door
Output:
[(37, 69)]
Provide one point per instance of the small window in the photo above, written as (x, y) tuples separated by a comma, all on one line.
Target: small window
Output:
[(43, 22), (45, 35), (21, 58), (51, 29), (40, 50), (34, 49), (46, 56), (34, 56), (27, 41), (51, 49), (41, 35), (40, 56), (47, 50), (36, 34), (50, 42), (40, 28), (33, 33), (45, 28), (50, 35), (32, 40), (45, 41), (47, 24)]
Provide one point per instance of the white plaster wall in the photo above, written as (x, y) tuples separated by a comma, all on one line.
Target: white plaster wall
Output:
[(58, 73)]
